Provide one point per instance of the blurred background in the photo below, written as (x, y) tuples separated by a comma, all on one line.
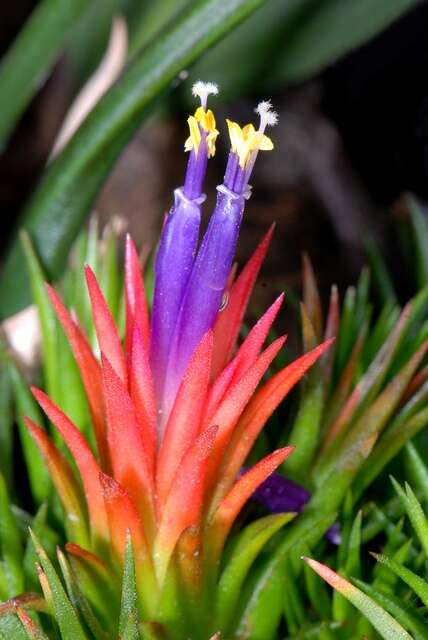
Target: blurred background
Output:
[(349, 80)]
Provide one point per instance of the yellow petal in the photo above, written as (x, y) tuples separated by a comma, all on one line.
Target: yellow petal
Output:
[(194, 139)]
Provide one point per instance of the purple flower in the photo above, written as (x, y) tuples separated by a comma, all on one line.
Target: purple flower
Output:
[(180, 235), (278, 494), (205, 287)]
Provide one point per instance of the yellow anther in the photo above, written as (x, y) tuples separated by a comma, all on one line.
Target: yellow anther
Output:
[(245, 140), (201, 120)]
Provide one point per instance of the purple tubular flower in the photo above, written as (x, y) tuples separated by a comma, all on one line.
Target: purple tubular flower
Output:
[(207, 282), (204, 292), (179, 239), (278, 494), (196, 169), (173, 265)]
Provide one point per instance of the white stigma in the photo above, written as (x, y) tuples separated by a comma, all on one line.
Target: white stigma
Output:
[(204, 89), (268, 117)]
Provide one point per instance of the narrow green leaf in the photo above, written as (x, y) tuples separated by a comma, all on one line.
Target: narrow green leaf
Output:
[(31, 56), (10, 627), (332, 28), (128, 607), (72, 181), (10, 545), (65, 614), (417, 469), (38, 474), (33, 630), (374, 419), (404, 615), (380, 331), (48, 322), (346, 337), (294, 609), (361, 397), (345, 381), (384, 579), (78, 600), (48, 538), (353, 562), (382, 621), (306, 427), (6, 424), (109, 277), (263, 607), (131, 630), (420, 235), (414, 511), (388, 447), (317, 593), (251, 541), (350, 565), (415, 582), (382, 278), (154, 17), (311, 299)]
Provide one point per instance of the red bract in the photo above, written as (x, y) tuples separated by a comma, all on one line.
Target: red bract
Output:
[(159, 487)]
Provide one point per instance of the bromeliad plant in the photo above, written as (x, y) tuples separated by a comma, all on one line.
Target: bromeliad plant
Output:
[(175, 411)]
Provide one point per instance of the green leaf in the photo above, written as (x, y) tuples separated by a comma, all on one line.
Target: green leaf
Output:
[(382, 278), (10, 545), (420, 235), (415, 513), (72, 181), (38, 474), (263, 608), (49, 540), (385, 580), (250, 542), (353, 563), (305, 431), (374, 419), (346, 336), (403, 614), (33, 630), (351, 566), (128, 621), (415, 582), (65, 614), (47, 318), (362, 395), (317, 593), (6, 424), (154, 17), (77, 598), (330, 29), (382, 621), (390, 444), (417, 469), (11, 628), (29, 59), (294, 610)]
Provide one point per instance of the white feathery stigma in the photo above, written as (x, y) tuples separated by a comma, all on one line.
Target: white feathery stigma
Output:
[(204, 89), (268, 117)]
